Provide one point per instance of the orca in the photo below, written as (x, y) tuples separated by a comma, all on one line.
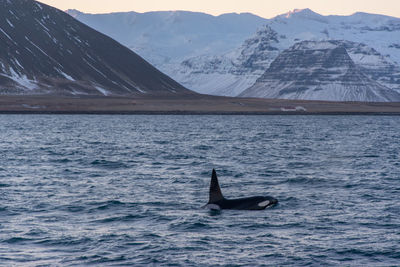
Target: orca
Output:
[(217, 201)]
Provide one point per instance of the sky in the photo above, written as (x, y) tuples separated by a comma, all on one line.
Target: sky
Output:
[(263, 8)]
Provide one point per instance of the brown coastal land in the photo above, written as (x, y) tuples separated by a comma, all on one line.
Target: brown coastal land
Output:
[(189, 104)]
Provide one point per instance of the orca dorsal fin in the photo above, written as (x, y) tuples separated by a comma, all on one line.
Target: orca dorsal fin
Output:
[(215, 190)]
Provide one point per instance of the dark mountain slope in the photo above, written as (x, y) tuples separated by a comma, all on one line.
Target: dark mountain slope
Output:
[(45, 51)]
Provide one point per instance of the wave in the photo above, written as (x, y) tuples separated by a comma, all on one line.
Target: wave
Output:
[(107, 164)]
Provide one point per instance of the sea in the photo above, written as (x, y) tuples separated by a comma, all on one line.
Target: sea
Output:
[(128, 190)]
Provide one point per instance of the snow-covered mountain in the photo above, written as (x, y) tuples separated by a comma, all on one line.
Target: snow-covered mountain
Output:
[(45, 51), (376, 31), (230, 73), (232, 60), (319, 70), (169, 37)]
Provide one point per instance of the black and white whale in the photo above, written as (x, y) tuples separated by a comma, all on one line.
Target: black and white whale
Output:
[(218, 202)]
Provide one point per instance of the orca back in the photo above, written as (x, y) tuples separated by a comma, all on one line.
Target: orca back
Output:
[(217, 200)]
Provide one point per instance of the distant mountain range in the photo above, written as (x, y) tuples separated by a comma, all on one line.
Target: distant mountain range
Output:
[(45, 51), (226, 55)]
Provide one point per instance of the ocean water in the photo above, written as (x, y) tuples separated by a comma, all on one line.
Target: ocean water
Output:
[(128, 190)]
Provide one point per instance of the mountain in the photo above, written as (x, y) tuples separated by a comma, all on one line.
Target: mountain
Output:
[(229, 74), (45, 51), (169, 37), (321, 70), (221, 65)]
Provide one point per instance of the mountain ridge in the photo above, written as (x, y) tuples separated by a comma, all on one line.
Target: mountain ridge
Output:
[(290, 12)]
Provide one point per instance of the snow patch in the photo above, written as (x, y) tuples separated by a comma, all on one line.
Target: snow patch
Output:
[(12, 13), (8, 36), (37, 47), (41, 24), (103, 91), (9, 23), (140, 90), (314, 45), (77, 39), (32, 107), (93, 67), (56, 62), (292, 109), (17, 62), (65, 75), (39, 6), (21, 79)]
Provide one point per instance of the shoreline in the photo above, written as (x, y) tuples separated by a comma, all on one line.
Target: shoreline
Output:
[(189, 105), (181, 113)]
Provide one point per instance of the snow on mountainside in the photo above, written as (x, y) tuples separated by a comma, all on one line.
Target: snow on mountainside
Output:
[(45, 51), (320, 70), (376, 31), (220, 65), (228, 74), (374, 65), (172, 36)]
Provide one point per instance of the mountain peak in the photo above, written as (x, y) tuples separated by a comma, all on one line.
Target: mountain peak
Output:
[(306, 12)]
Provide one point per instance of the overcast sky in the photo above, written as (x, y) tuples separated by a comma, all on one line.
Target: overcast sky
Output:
[(264, 8)]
